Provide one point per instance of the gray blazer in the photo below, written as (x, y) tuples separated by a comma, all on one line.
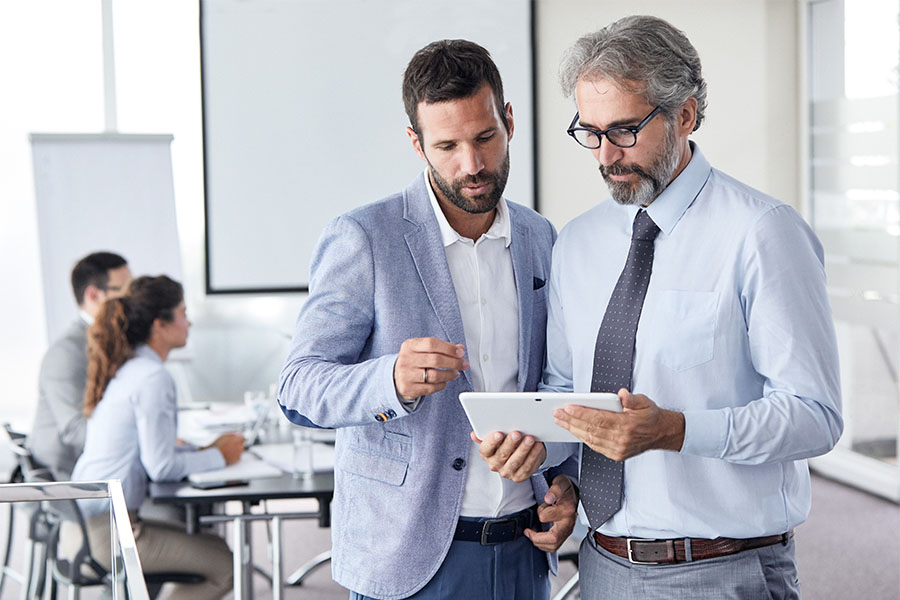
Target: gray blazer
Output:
[(379, 276), (57, 435)]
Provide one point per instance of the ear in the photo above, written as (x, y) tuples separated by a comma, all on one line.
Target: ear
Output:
[(416, 143), (92, 295), (509, 120), (687, 117)]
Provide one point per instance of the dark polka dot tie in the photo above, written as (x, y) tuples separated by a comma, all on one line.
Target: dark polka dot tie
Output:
[(602, 479)]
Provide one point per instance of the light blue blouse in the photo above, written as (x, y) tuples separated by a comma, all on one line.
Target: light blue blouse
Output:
[(131, 434)]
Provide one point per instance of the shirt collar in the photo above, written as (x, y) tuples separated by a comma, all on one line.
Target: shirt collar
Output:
[(146, 351), (86, 317), (669, 206), (500, 228)]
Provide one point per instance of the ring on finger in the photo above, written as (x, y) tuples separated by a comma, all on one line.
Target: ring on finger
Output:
[(425, 375)]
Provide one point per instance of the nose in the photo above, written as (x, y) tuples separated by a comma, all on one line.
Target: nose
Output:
[(608, 153), (471, 162)]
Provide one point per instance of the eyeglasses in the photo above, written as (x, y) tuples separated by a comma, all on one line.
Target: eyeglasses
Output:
[(623, 137)]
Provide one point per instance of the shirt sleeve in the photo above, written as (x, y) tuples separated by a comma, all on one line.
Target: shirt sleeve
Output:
[(557, 375), (155, 410), (792, 347)]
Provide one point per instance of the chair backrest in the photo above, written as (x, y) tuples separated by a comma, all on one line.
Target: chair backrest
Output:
[(11, 442), (82, 568), (29, 468)]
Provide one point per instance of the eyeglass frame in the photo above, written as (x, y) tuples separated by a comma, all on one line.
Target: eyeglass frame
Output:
[(601, 133)]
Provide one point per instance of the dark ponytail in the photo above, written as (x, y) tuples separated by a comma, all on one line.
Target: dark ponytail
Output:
[(121, 325)]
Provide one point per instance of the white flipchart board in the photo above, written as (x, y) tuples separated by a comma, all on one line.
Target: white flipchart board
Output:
[(102, 192)]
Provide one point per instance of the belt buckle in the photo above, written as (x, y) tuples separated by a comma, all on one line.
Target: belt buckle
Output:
[(631, 558), (486, 527)]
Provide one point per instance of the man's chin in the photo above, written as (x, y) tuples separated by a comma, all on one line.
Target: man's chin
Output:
[(479, 204)]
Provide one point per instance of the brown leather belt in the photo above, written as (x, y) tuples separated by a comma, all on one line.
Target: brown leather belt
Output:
[(654, 552)]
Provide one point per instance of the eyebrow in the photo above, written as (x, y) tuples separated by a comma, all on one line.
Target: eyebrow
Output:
[(477, 135), (619, 123)]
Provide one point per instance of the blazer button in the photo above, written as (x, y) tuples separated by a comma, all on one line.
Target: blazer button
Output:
[(458, 464)]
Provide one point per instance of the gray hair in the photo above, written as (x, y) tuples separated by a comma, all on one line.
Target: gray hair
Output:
[(641, 50)]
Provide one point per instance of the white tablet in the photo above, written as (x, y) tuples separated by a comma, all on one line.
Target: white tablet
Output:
[(530, 413)]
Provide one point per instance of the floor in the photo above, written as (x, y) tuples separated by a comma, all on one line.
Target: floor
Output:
[(849, 548)]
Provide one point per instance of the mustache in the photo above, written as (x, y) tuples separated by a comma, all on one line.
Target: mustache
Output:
[(477, 179), (617, 169)]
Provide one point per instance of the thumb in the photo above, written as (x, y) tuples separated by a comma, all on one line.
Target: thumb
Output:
[(632, 401), (550, 498)]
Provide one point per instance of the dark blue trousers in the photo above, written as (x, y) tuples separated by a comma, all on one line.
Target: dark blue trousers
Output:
[(513, 570)]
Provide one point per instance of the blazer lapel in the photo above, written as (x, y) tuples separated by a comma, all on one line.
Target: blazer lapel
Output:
[(427, 250), (523, 269)]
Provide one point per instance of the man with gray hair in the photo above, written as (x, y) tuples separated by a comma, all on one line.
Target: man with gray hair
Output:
[(716, 335)]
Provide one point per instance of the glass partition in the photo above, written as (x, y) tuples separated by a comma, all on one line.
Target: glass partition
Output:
[(55, 502), (854, 206)]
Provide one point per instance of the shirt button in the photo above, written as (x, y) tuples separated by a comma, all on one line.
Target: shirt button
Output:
[(484, 357), (458, 464), (484, 300)]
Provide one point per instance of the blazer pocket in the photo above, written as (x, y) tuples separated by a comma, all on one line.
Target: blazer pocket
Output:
[(684, 323), (380, 468)]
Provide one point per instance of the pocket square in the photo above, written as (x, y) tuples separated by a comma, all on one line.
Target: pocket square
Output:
[(538, 283)]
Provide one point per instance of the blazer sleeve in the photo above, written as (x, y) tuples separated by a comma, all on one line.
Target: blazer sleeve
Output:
[(62, 379), (324, 382)]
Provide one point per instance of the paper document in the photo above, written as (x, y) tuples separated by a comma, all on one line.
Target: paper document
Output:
[(249, 467), (282, 456)]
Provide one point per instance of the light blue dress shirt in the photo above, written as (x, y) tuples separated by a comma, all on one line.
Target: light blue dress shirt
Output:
[(131, 434), (736, 332)]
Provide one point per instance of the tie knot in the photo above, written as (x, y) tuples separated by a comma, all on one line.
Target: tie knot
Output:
[(644, 228)]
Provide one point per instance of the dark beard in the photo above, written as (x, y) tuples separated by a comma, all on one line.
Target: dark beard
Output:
[(651, 181), (477, 204)]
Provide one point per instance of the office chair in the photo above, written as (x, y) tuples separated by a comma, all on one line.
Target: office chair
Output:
[(83, 570), (14, 475), (33, 577)]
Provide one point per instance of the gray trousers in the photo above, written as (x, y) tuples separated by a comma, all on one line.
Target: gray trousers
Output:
[(768, 573)]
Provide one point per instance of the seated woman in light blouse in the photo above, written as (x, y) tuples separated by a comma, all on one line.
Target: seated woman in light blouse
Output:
[(131, 433)]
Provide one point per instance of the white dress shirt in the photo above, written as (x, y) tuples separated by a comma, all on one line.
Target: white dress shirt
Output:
[(485, 286), (131, 434), (736, 332)]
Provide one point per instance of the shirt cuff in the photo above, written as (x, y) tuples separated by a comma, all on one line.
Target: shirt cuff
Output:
[(409, 405), (557, 453), (705, 432)]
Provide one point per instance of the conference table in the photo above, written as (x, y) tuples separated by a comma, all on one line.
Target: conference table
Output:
[(196, 503), (271, 481)]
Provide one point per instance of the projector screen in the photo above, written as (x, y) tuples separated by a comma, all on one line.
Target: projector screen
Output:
[(303, 119)]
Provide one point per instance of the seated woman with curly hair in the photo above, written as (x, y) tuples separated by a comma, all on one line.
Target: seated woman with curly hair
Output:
[(131, 433)]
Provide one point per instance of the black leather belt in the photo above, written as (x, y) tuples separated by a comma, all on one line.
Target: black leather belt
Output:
[(496, 531), (654, 552)]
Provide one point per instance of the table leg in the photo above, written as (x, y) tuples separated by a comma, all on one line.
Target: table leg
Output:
[(277, 575)]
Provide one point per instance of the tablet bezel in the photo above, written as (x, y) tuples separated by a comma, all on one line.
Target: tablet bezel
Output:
[(530, 413)]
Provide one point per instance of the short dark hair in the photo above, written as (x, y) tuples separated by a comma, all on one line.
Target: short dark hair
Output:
[(94, 269), (449, 70)]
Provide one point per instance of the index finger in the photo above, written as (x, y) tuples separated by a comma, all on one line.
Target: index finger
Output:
[(582, 415), (436, 346), (491, 442)]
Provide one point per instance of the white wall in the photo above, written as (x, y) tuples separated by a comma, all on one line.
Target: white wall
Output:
[(749, 56), (51, 66)]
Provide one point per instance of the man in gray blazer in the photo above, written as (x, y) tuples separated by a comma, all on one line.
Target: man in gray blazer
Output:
[(434, 291), (57, 435)]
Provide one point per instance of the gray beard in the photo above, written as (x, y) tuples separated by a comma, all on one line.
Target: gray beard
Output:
[(651, 182)]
